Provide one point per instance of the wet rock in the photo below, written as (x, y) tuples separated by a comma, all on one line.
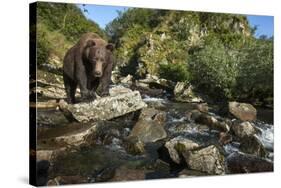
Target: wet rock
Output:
[(212, 122), (183, 92), (134, 146), (244, 163), (148, 131), (70, 135), (225, 138), (117, 90), (51, 117), (208, 159), (128, 80), (65, 180), (202, 107), (105, 175), (244, 129), (178, 145), (42, 168), (50, 92), (125, 174), (252, 145), (242, 111), (105, 108), (49, 154), (153, 114), (155, 82), (185, 173)]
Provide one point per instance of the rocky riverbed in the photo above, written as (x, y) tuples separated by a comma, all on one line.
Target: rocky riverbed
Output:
[(146, 129)]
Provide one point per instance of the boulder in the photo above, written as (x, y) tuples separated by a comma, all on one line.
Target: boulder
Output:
[(153, 114), (65, 180), (183, 92), (212, 122), (178, 145), (105, 108), (117, 90), (124, 173), (208, 159), (185, 173), (252, 145), (128, 80), (148, 131), (244, 129), (150, 126), (134, 146), (225, 138), (242, 111), (244, 163), (155, 82)]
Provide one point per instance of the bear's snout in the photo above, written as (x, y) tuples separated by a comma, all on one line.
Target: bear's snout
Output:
[(97, 74), (98, 69)]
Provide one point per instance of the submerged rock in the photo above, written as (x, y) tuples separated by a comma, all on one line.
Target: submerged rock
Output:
[(105, 108), (207, 159), (252, 145), (244, 129), (242, 111), (184, 93), (244, 163), (178, 145)]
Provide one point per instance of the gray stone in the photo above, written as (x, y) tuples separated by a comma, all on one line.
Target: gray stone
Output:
[(244, 129), (148, 131), (178, 145), (105, 108), (252, 145), (244, 163), (207, 159), (242, 111), (212, 122), (184, 93)]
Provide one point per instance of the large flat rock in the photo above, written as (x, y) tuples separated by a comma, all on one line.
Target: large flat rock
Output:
[(105, 108)]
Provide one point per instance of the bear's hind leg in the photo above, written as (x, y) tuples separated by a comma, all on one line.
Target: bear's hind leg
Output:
[(70, 89)]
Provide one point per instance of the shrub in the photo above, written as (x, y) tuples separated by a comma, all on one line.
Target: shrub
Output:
[(174, 71), (214, 69)]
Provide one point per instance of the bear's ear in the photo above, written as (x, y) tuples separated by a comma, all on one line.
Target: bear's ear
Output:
[(110, 47), (90, 43)]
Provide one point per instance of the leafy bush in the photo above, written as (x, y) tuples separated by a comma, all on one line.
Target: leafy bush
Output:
[(215, 68), (255, 78), (43, 47), (177, 72)]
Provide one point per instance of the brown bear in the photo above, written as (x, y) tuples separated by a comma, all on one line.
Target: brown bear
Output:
[(88, 64)]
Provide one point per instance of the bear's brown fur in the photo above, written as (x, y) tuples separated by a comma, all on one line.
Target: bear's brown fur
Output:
[(88, 64)]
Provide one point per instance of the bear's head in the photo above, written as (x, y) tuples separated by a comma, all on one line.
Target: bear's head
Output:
[(98, 54)]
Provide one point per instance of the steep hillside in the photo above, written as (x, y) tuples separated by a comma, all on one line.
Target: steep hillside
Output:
[(213, 51), (59, 26)]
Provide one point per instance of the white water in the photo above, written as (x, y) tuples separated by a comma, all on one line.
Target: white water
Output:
[(266, 135)]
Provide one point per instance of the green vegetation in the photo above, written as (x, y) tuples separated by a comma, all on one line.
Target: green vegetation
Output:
[(217, 53)]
